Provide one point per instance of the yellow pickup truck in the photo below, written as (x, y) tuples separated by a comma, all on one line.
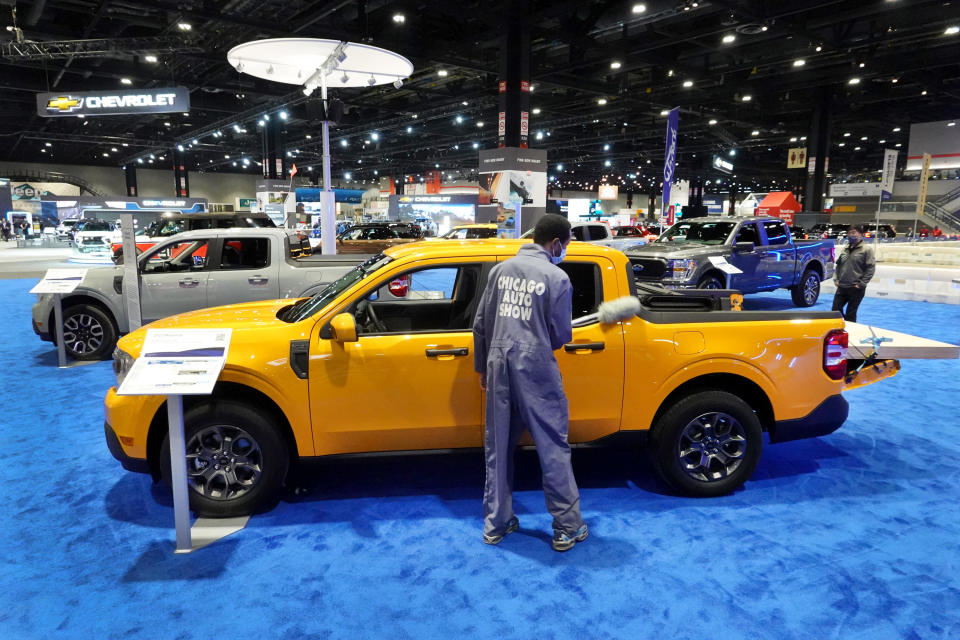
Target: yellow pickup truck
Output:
[(380, 361)]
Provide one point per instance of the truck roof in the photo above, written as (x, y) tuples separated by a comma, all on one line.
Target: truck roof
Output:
[(486, 247), (729, 219), (237, 232)]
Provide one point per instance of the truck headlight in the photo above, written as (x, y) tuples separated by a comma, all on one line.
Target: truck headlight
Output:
[(122, 361), (681, 270)]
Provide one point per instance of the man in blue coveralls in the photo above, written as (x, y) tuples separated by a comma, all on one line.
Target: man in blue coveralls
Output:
[(523, 317)]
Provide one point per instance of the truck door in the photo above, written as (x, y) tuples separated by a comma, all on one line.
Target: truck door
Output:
[(747, 261), (173, 279), (779, 255), (242, 272), (592, 362)]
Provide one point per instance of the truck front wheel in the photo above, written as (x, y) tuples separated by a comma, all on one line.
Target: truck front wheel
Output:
[(236, 459), (710, 281), (707, 444), (807, 291)]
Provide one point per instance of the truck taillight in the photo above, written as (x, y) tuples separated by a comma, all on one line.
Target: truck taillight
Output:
[(835, 354)]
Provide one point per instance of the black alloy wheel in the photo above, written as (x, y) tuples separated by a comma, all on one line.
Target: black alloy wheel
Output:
[(807, 291), (710, 282), (236, 459), (708, 444), (88, 332)]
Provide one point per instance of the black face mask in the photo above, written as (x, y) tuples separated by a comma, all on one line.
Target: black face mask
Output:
[(854, 241)]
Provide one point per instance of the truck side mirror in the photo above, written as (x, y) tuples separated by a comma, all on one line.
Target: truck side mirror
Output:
[(344, 328), (744, 247)]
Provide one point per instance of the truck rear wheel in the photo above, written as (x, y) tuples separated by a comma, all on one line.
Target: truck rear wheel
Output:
[(707, 444), (806, 292)]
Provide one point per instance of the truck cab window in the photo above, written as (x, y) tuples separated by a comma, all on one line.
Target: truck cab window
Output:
[(776, 232), (748, 233), (587, 287)]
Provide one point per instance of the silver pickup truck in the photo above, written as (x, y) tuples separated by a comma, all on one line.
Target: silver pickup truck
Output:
[(192, 270), (748, 254)]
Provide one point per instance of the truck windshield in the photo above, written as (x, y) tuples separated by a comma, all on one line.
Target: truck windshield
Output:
[(698, 232), (309, 306)]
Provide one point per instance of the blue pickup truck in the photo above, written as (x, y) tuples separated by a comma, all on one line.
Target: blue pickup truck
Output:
[(748, 254)]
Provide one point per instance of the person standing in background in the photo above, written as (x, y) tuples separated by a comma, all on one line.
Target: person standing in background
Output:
[(856, 265)]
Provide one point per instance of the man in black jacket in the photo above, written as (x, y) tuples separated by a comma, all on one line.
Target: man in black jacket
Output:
[(855, 268)]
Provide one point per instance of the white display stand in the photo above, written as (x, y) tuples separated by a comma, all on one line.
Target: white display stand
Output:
[(313, 63), (131, 273), (865, 340), (59, 282), (175, 363)]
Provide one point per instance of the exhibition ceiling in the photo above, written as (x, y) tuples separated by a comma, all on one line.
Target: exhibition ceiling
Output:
[(745, 76)]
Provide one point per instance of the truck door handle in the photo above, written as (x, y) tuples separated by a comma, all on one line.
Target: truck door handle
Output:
[(573, 347), (459, 351), (189, 283), (258, 280)]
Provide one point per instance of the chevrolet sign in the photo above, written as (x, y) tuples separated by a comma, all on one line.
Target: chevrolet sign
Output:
[(113, 103)]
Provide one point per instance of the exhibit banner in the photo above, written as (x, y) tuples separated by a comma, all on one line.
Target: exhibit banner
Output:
[(512, 159), (177, 362), (940, 139), (855, 190), (669, 163), (889, 172), (113, 103), (34, 190), (608, 192)]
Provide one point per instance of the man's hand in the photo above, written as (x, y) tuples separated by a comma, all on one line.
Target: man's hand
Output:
[(483, 381)]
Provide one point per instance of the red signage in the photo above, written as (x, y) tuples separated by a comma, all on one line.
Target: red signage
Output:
[(525, 85), (524, 123), (502, 124), (503, 86)]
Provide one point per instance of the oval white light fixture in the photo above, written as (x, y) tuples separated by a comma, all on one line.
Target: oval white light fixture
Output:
[(442, 73), (951, 31), (601, 101), (615, 65), (184, 26), (688, 83), (149, 58), (480, 124), (536, 111), (126, 81), (639, 8), (799, 62), (727, 39), (476, 145), (399, 18), (754, 133), (665, 112), (853, 81), (374, 136), (713, 121), (747, 98)]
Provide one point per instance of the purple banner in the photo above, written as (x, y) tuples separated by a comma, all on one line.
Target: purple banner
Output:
[(669, 162)]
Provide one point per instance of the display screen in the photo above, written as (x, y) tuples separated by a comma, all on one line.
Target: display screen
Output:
[(435, 219)]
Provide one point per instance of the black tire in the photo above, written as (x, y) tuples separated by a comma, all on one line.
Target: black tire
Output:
[(88, 332), (807, 291), (240, 480), (731, 446), (710, 281)]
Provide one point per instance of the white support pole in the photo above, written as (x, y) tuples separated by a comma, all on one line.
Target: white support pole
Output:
[(58, 321), (178, 473), (328, 212)]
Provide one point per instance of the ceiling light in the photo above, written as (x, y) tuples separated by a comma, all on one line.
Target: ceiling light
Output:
[(764, 28), (898, 145), (639, 8), (539, 135), (853, 81), (476, 145), (458, 119), (606, 147), (559, 167), (184, 26), (951, 124), (732, 152), (924, 92), (536, 111), (166, 124), (747, 98), (150, 58), (106, 155), (670, 73), (799, 62), (665, 112), (727, 39), (842, 144), (712, 121), (601, 101), (140, 160), (688, 83), (374, 136), (793, 139), (614, 65), (856, 148), (846, 135), (896, 129), (864, 138), (399, 18), (754, 133), (343, 142), (606, 163), (48, 144), (863, 64), (126, 81), (951, 31), (480, 124), (881, 141), (442, 73), (283, 115), (409, 129)]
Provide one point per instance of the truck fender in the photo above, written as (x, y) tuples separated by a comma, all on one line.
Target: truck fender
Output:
[(82, 295)]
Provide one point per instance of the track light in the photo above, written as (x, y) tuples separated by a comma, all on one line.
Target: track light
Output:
[(372, 81), (344, 78), (397, 83)]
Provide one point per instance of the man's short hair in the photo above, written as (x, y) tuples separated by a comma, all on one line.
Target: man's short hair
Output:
[(549, 227), (859, 228)]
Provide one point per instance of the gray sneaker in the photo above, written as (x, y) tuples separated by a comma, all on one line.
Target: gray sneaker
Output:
[(564, 541), (493, 538)]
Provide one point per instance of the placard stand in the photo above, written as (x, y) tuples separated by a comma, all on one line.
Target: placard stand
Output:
[(58, 282), (58, 319), (174, 363)]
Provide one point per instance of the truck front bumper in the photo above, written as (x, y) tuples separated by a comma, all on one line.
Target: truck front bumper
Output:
[(138, 465), (824, 420)]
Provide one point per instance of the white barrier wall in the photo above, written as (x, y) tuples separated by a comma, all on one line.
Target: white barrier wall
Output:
[(912, 282)]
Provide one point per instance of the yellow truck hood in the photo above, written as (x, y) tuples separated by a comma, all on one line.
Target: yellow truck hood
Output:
[(240, 317)]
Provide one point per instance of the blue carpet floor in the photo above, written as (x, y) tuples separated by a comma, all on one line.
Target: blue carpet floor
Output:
[(854, 535)]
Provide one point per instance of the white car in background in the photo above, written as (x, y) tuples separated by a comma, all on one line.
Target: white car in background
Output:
[(65, 229), (91, 242)]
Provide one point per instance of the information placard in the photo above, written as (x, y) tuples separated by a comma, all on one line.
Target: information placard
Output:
[(177, 362), (60, 281)]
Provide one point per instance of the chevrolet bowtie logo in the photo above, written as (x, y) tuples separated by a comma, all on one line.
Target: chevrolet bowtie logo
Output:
[(64, 103)]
